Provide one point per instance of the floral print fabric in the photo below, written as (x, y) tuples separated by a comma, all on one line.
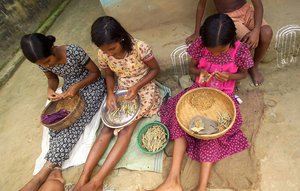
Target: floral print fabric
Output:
[(130, 70)]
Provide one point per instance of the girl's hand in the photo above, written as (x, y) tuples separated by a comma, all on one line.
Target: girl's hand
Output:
[(132, 93), (53, 96), (251, 38), (191, 38), (111, 102), (204, 77), (222, 76), (71, 92)]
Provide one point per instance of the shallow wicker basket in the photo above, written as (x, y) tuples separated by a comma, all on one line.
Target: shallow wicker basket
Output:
[(75, 105), (206, 102)]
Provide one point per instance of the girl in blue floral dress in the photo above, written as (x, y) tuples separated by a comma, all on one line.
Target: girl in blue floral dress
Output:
[(81, 76)]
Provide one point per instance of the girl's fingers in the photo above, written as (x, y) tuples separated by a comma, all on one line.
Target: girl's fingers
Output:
[(220, 77), (244, 39), (64, 95), (54, 97), (129, 97), (201, 79), (255, 45), (57, 94), (110, 107)]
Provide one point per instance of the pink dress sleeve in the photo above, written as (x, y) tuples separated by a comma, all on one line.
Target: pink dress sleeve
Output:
[(244, 59), (195, 49)]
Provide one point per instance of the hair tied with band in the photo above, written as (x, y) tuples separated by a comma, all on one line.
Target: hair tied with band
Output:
[(51, 39)]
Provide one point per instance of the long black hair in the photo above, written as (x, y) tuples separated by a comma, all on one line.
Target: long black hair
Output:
[(107, 30), (36, 46), (218, 30)]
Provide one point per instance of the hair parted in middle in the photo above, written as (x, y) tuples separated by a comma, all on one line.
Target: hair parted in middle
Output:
[(107, 30), (218, 30), (36, 46)]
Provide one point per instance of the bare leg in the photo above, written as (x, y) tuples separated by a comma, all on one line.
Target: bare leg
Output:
[(37, 180), (172, 183), (95, 155), (266, 34), (205, 170), (112, 159), (54, 182)]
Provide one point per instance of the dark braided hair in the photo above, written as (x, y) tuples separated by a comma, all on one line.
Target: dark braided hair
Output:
[(218, 30), (107, 30), (36, 46)]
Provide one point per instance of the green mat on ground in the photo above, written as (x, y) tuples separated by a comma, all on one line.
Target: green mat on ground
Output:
[(134, 159)]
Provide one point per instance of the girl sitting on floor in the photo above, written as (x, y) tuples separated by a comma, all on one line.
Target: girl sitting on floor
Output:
[(215, 53), (81, 76), (133, 64)]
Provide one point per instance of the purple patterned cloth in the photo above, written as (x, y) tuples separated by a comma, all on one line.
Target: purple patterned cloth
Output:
[(231, 142), (55, 117), (213, 150)]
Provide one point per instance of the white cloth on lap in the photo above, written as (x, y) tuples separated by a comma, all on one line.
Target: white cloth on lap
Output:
[(133, 159)]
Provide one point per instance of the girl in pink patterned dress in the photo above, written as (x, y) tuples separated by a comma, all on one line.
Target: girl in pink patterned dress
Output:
[(132, 64), (216, 53)]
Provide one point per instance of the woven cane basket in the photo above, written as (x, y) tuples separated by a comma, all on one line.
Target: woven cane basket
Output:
[(75, 105), (206, 102)]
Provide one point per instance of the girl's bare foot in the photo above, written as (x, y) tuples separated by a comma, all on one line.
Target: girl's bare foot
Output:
[(92, 186), (37, 180), (256, 76), (169, 186), (82, 181), (34, 184), (200, 189)]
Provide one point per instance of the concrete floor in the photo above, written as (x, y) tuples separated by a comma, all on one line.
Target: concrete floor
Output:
[(23, 97)]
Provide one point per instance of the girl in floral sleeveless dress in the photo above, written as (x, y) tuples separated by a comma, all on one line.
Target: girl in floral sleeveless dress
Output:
[(132, 64), (215, 53)]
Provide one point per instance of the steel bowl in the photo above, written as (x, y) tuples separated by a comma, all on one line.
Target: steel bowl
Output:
[(124, 120)]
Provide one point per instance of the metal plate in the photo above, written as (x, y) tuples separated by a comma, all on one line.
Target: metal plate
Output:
[(123, 120)]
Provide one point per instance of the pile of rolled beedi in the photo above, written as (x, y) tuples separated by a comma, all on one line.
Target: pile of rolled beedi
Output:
[(154, 138)]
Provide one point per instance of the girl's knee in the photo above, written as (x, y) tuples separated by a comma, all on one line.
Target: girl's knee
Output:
[(266, 33), (53, 184), (127, 131), (56, 174), (124, 132), (107, 130)]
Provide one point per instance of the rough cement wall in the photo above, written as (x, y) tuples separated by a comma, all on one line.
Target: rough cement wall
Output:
[(18, 17), (165, 24), (142, 14)]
